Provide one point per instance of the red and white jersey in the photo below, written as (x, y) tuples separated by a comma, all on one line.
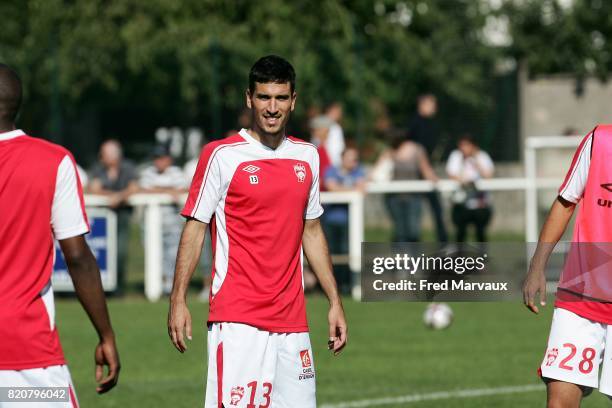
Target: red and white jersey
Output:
[(40, 198), (576, 178), (256, 200), (574, 189)]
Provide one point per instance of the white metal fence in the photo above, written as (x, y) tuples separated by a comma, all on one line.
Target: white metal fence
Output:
[(355, 201)]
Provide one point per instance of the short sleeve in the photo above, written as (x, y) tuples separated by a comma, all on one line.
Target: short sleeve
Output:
[(179, 180), (331, 173), (360, 174), (130, 172), (485, 161), (68, 218), (206, 187), (148, 178), (454, 163), (575, 181), (96, 172), (314, 208)]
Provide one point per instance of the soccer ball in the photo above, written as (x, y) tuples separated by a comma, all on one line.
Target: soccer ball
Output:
[(438, 316)]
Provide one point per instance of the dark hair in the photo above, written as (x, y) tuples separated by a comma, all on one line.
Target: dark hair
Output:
[(10, 93), (397, 136), (349, 146), (271, 68), (466, 137), (424, 96)]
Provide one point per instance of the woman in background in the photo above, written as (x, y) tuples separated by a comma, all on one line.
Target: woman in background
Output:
[(467, 164)]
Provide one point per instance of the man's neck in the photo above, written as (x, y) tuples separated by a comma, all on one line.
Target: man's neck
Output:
[(271, 140)]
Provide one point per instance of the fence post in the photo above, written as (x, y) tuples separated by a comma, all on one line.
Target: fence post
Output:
[(153, 251)]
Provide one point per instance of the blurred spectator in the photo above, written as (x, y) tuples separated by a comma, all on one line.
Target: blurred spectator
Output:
[(410, 162), (165, 178), (319, 131), (570, 131), (244, 120), (334, 144), (313, 111), (349, 176), (467, 164), (423, 129), (115, 177)]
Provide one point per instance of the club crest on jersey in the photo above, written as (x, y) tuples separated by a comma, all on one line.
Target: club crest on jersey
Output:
[(236, 395), (551, 356), (251, 169), (300, 172)]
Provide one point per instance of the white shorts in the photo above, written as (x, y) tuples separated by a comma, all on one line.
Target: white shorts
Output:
[(248, 367), (53, 376), (577, 349)]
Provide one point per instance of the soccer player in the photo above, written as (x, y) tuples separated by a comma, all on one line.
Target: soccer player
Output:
[(259, 192), (41, 199), (580, 340)]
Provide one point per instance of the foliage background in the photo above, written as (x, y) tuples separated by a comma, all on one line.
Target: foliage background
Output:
[(95, 69)]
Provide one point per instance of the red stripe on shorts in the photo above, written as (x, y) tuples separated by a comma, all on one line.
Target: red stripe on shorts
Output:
[(73, 399), (220, 375)]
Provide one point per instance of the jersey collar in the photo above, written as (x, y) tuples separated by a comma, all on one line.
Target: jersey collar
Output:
[(245, 134), (11, 135)]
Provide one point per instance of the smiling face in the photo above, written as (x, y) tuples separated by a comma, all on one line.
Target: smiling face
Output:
[(271, 105)]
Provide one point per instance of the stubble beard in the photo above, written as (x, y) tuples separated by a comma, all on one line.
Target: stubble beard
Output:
[(265, 133)]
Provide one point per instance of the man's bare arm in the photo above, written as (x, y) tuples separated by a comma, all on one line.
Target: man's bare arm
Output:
[(317, 253), (190, 248), (558, 217), (85, 276), (116, 197)]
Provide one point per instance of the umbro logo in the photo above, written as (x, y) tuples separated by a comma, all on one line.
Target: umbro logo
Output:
[(603, 202), (251, 169)]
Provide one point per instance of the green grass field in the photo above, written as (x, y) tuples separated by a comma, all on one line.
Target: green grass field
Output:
[(390, 354)]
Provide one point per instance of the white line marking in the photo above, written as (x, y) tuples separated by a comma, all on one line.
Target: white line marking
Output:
[(469, 393)]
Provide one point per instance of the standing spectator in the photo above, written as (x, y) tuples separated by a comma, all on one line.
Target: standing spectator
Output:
[(423, 129), (319, 131), (410, 162), (349, 176), (467, 164), (165, 178), (115, 177), (335, 140)]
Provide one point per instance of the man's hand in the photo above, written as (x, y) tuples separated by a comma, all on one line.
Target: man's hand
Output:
[(558, 217), (317, 253), (106, 355), (88, 286), (534, 283), (115, 200), (338, 330), (179, 322)]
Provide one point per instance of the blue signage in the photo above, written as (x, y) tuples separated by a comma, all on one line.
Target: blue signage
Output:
[(103, 243)]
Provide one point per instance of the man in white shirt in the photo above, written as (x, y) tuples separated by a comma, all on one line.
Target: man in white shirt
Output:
[(164, 178)]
